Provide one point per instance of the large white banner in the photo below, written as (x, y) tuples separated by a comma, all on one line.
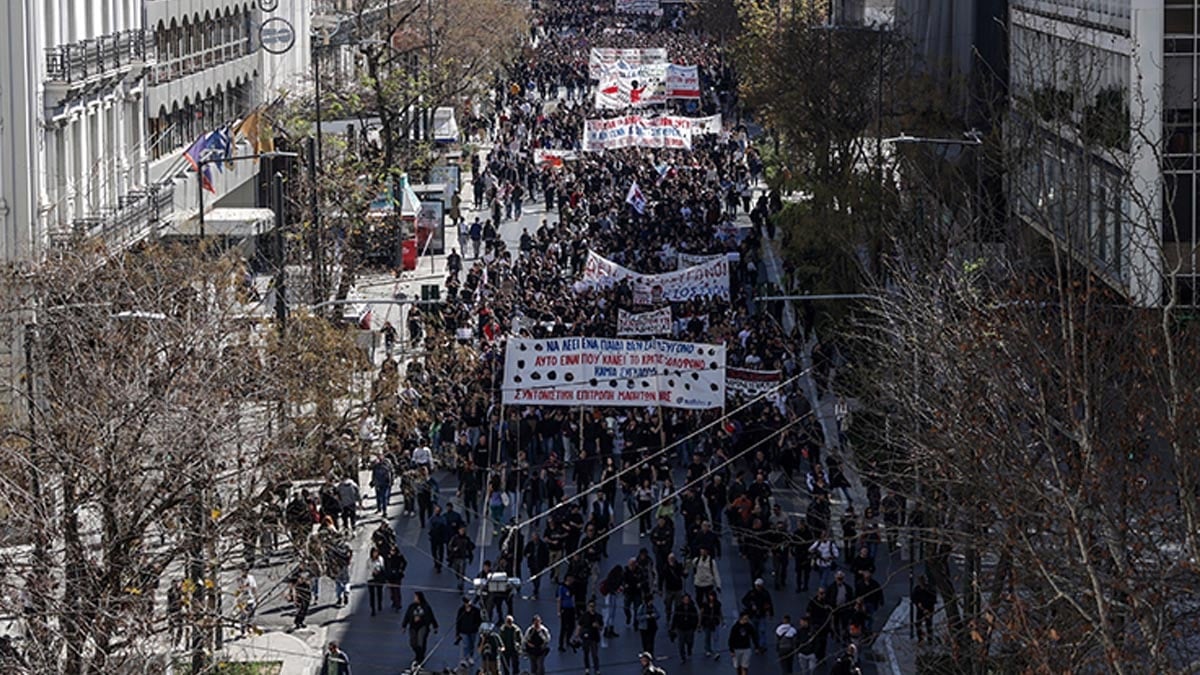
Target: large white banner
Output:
[(657, 322), (637, 6), (604, 60), (753, 382), (683, 81), (633, 131), (709, 279), (613, 372)]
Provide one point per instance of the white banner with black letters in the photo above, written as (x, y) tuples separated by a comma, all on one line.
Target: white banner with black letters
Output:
[(657, 322)]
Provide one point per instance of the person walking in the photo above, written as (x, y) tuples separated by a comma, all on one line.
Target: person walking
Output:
[(785, 644), (806, 647), (349, 496), (711, 621), (743, 640), (335, 662), (466, 629), (683, 624), (588, 630), (382, 474), (537, 646), (419, 619), (376, 578), (459, 551), (565, 597), (301, 582), (439, 536), (648, 667), (646, 622), (757, 603), (491, 647), (511, 637)]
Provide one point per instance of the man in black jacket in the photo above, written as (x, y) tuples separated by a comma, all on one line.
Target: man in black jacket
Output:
[(459, 552), (466, 629), (537, 557), (742, 639), (684, 621)]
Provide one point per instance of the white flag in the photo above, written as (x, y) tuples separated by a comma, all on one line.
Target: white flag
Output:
[(636, 199)]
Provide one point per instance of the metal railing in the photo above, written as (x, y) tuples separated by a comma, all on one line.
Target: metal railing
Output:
[(96, 57), (167, 70)]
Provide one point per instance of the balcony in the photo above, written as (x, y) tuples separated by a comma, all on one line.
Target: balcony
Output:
[(126, 224), (169, 70), (96, 58)]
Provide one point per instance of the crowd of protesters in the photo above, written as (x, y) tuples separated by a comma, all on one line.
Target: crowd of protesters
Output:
[(551, 481)]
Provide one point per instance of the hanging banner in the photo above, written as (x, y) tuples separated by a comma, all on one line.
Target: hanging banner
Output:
[(613, 372), (553, 158), (633, 131), (686, 260), (603, 61), (637, 6), (753, 382), (646, 323), (632, 87), (709, 279), (683, 81)]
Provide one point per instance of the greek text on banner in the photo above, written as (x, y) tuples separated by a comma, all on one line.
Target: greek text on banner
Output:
[(709, 279), (657, 322), (613, 372)]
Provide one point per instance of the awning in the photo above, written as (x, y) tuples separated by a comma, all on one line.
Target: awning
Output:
[(224, 222)]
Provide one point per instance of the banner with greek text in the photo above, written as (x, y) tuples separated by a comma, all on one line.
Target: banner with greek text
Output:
[(709, 279), (683, 81), (613, 372), (608, 61), (645, 323), (752, 382), (697, 125), (633, 131), (637, 6)]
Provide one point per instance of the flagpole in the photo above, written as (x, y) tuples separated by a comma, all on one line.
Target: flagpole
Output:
[(200, 189)]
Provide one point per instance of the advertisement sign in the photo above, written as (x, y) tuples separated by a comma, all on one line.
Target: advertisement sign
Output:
[(709, 279), (431, 233), (633, 131), (613, 372), (683, 81), (752, 382), (446, 175), (646, 323)]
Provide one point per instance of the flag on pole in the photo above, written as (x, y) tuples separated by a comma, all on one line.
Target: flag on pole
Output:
[(636, 199), (196, 154)]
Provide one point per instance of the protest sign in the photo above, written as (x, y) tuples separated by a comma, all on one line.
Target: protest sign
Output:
[(709, 279), (686, 260), (697, 125), (610, 61), (681, 324), (752, 382), (646, 323), (682, 81), (633, 131), (632, 87), (613, 372)]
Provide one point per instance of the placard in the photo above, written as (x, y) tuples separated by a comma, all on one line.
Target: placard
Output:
[(613, 372), (709, 279), (637, 6), (632, 87), (697, 125), (686, 260), (657, 322), (682, 81)]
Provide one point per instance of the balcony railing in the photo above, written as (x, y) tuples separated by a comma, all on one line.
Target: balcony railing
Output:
[(169, 69), (95, 57)]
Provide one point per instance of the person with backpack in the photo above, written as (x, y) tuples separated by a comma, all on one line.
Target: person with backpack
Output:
[(491, 647), (785, 644), (419, 619), (537, 645)]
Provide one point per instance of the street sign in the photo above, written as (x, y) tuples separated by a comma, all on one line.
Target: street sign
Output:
[(276, 35)]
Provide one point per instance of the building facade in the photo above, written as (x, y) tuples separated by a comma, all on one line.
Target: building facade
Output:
[(99, 99), (1104, 101)]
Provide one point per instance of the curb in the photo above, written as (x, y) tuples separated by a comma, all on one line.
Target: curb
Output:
[(884, 649)]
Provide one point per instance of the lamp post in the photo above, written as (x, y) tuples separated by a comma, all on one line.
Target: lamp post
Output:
[(973, 138)]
